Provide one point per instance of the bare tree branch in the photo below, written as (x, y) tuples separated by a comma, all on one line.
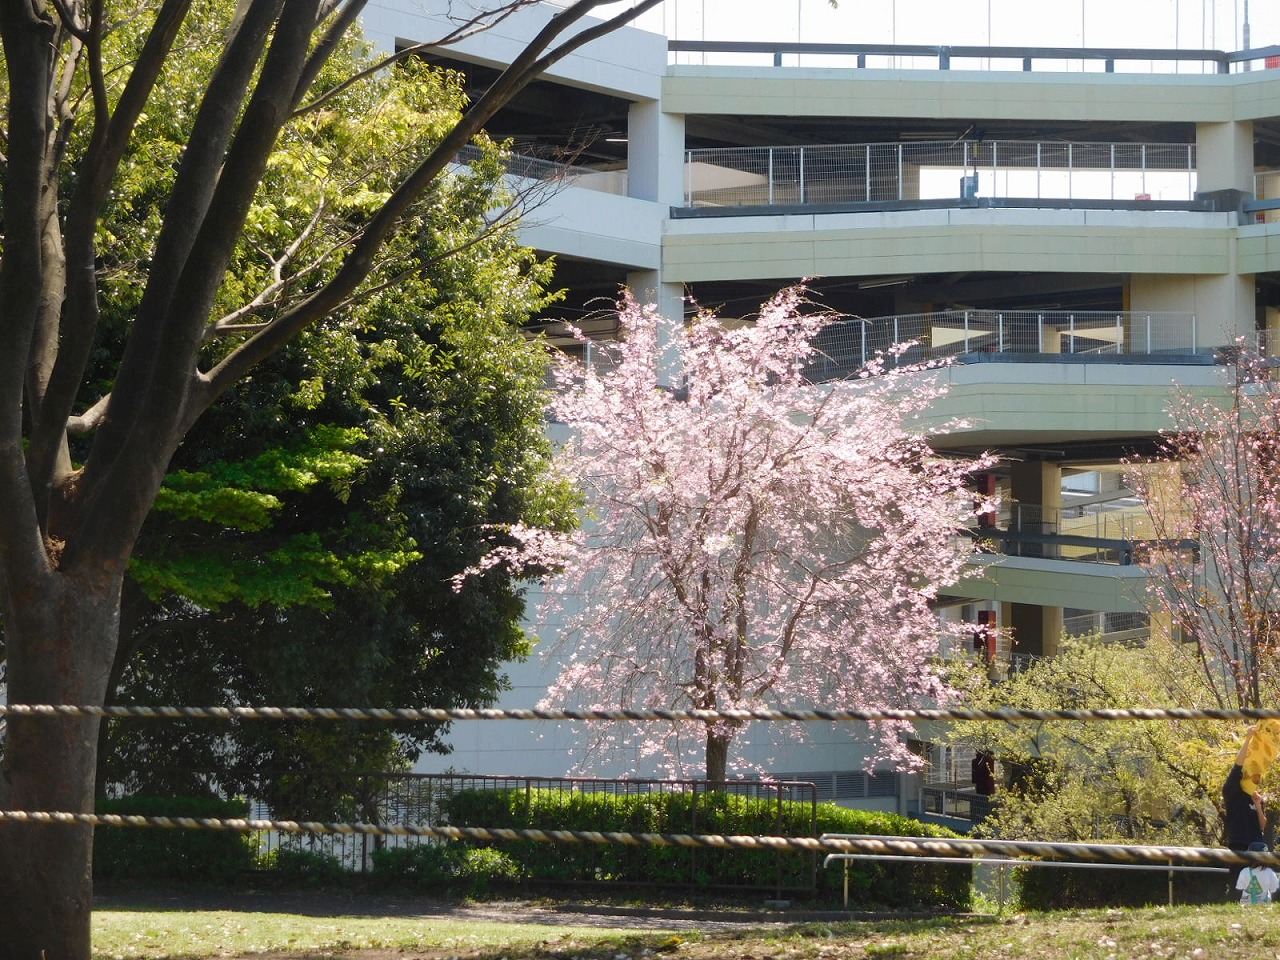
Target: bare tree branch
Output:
[(524, 68)]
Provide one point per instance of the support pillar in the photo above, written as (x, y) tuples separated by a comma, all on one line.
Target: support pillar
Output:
[(647, 286), (1036, 489), (1037, 631), (655, 154)]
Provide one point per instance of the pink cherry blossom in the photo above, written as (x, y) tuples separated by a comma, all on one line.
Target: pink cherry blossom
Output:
[(752, 540), (1213, 496)]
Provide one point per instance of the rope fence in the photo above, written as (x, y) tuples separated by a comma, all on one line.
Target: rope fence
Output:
[(959, 849), (1007, 714)]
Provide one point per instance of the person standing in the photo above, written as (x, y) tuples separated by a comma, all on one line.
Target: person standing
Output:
[(1243, 804)]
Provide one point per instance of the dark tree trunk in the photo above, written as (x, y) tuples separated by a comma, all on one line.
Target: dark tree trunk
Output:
[(717, 756), (59, 643)]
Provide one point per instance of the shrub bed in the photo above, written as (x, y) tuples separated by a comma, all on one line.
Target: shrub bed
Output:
[(213, 856), (870, 883), (1052, 888)]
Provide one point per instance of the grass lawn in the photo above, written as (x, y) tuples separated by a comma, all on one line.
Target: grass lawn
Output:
[(226, 933), (1220, 932)]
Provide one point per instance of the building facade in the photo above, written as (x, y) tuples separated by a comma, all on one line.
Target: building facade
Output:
[(1078, 230)]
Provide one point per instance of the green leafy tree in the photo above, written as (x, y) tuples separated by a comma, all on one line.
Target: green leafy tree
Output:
[(1121, 781), (299, 545), (116, 340), (315, 573)]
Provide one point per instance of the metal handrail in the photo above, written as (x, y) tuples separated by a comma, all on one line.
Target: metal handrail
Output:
[(847, 346), (939, 170), (894, 55)]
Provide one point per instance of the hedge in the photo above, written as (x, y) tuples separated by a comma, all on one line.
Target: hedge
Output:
[(1055, 888), (128, 853), (870, 883)]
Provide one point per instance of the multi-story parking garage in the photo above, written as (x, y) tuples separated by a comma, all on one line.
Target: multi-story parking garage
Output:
[(1077, 240)]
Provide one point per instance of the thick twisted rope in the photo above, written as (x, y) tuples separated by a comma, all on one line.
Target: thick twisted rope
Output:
[(1008, 714), (961, 849)]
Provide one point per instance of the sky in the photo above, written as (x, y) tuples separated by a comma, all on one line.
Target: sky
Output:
[(1186, 24)]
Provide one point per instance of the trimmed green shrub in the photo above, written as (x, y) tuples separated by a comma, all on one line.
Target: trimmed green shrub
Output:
[(453, 867), (1056, 888), (211, 856), (307, 868), (897, 884)]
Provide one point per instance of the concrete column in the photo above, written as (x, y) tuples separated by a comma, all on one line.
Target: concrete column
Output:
[(1224, 156), (648, 287), (1037, 487), (1037, 483), (1223, 306), (1037, 631), (655, 154), (655, 171)]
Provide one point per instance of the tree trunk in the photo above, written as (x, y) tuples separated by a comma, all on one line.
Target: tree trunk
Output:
[(59, 639), (717, 756)]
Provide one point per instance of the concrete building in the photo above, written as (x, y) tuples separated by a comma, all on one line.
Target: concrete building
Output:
[(1078, 237)]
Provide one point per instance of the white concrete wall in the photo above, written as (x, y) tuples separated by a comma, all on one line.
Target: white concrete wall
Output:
[(592, 225), (628, 62), (947, 240), (1005, 404)]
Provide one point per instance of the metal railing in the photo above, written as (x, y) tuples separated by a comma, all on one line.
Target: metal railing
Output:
[(955, 801), (555, 172), (1107, 627), (938, 170), (430, 799), (845, 347), (948, 57), (1094, 533), (1265, 205)]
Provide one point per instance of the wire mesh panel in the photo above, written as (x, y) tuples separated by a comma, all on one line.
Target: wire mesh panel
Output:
[(932, 170), (847, 346)]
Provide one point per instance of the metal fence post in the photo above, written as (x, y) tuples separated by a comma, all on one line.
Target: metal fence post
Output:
[(693, 829), (771, 176), (777, 854), (802, 174)]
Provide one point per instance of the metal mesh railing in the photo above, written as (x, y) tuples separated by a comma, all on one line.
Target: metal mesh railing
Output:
[(1096, 533), (882, 172), (442, 799), (847, 346), (1106, 626), (551, 171)]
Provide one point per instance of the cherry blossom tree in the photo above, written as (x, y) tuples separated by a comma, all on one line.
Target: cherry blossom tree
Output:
[(754, 539), (1213, 496)]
